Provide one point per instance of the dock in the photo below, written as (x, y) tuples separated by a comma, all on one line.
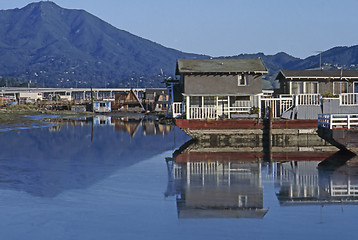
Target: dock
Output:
[(341, 130)]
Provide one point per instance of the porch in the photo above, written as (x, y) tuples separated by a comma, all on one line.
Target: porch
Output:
[(228, 107), (220, 107)]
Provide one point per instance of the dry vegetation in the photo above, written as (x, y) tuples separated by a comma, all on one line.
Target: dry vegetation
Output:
[(16, 114)]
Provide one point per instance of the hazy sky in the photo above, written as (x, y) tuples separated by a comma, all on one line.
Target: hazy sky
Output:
[(229, 27)]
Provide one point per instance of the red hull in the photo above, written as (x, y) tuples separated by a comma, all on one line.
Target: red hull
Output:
[(243, 124)]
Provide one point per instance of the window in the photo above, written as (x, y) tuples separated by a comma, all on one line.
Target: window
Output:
[(312, 87), (340, 87), (305, 88), (242, 79), (209, 101), (297, 88), (195, 101), (102, 104)]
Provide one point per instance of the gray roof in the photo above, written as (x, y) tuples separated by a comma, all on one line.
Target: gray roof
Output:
[(222, 65), (318, 74)]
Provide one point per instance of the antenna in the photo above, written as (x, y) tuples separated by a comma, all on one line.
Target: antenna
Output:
[(320, 59)]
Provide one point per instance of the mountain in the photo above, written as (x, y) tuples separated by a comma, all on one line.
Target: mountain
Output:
[(337, 57), (50, 46), (273, 64), (53, 46)]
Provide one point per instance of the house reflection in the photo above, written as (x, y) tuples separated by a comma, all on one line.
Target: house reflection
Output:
[(215, 185), (130, 124), (228, 182), (335, 180)]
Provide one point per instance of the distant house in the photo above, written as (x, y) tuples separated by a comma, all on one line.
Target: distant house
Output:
[(102, 106), (156, 100), (217, 88), (333, 82), (127, 101)]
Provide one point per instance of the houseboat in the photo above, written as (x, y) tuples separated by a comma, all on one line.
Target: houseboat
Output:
[(221, 100), (308, 93), (217, 88)]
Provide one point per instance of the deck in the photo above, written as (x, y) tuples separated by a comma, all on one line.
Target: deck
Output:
[(341, 130)]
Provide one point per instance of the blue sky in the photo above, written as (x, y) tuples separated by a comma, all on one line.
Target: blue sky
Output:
[(229, 27)]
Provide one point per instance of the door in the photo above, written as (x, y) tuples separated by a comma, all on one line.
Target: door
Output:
[(223, 107)]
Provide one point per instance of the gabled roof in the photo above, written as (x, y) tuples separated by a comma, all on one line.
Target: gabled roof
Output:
[(318, 74), (222, 65)]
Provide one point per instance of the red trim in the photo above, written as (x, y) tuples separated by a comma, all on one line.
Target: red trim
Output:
[(292, 124), (218, 124), (301, 156), (250, 156), (218, 156), (244, 124)]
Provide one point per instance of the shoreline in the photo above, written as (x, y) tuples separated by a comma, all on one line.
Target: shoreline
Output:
[(19, 118)]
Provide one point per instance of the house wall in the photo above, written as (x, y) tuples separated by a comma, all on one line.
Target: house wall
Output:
[(221, 84), (325, 86), (332, 106), (98, 108)]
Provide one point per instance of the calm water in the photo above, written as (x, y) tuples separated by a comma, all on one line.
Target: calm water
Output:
[(121, 178)]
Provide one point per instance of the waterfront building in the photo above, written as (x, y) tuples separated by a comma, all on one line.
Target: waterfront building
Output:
[(217, 88), (102, 106), (304, 94)]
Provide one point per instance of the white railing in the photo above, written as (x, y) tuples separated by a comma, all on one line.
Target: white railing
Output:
[(234, 110), (308, 99), (242, 104), (239, 107), (344, 190), (278, 105), (177, 109), (334, 121), (348, 99), (201, 113)]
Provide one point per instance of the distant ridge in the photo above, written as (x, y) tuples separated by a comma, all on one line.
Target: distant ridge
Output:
[(337, 57), (56, 47)]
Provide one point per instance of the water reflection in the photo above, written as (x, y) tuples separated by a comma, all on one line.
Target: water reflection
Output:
[(130, 124), (216, 185), (76, 153), (228, 183), (332, 181)]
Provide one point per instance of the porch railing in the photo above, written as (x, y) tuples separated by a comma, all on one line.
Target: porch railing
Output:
[(308, 99), (233, 110), (333, 121), (278, 105), (201, 113), (177, 109), (348, 99)]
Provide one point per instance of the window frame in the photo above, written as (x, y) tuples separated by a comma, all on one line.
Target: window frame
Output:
[(340, 84), (242, 79)]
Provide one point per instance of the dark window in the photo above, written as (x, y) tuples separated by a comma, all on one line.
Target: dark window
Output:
[(242, 79)]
